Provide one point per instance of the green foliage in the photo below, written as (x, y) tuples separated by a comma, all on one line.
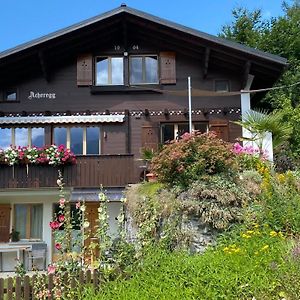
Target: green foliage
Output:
[(217, 201), (280, 203), (183, 161), (258, 123), (250, 265)]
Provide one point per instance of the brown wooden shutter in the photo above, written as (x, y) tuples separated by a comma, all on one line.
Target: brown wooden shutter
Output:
[(220, 127), (167, 68), (85, 70), (4, 223), (150, 136)]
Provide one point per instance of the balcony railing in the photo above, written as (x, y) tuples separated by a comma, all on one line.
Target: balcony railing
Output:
[(89, 171)]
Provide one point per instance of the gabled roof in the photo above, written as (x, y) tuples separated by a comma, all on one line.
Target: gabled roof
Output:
[(133, 12)]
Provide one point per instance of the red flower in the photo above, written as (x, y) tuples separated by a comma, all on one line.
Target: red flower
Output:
[(58, 246), (54, 225), (61, 218)]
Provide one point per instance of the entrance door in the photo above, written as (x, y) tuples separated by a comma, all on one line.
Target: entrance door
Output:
[(4, 222), (91, 214)]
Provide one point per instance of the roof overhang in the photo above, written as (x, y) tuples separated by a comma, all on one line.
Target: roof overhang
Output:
[(62, 119)]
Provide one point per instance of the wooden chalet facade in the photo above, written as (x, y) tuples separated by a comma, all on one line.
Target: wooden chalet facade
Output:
[(106, 88)]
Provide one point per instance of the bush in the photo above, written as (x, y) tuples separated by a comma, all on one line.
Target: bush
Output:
[(280, 202), (183, 161), (216, 200)]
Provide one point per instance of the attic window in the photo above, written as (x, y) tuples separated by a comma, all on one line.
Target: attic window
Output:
[(109, 71), (222, 85), (143, 69), (10, 95)]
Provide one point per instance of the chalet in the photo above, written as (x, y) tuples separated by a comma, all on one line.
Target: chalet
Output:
[(106, 88)]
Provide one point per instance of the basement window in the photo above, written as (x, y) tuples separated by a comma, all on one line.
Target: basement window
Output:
[(10, 95)]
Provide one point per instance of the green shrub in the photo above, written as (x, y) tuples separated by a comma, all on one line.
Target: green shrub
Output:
[(217, 200), (183, 161), (280, 203)]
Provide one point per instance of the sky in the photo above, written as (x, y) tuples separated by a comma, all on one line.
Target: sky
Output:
[(24, 20)]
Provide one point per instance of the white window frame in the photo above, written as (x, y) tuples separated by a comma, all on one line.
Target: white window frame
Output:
[(29, 138), (143, 68), (84, 145), (109, 75), (176, 127)]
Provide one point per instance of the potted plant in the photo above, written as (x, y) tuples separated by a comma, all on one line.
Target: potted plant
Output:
[(14, 236)]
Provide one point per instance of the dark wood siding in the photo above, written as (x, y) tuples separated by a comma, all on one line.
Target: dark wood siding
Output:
[(114, 139)]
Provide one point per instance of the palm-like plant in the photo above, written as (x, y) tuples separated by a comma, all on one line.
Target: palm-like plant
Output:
[(258, 123)]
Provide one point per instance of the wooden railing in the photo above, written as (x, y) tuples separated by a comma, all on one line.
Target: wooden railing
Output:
[(89, 171), (18, 288)]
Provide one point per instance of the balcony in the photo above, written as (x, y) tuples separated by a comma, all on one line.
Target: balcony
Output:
[(89, 171)]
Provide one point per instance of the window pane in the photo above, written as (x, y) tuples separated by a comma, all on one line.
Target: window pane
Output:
[(60, 136), (36, 220), (151, 69), (167, 132), (76, 140), (11, 96), (5, 138), (102, 71), (182, 128), (201, 127), (136, 70), (117, 75), (20, 219), (92, 140), (21, 137), (38, 137), (222, 86)]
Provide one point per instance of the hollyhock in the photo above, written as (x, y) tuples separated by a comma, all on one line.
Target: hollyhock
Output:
[(58, 246), (51, 269), (78, 205), (61, 218), (54, 225), (62, 202)]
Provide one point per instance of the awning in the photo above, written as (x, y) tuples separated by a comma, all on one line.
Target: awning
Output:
[(88, 195), (62, 119)]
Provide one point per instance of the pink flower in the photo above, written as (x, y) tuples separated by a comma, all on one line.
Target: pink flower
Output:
[(58, 246), (62, 202), (54, 225), (77, 205), (61, 218), (51, 269)]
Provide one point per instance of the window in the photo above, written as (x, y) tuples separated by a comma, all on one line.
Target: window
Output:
[(25, 136), (10, 95), (38, 137), (109, 71), (222, 86), (81, 140), (29, 220), (143, 69), (5, 138), (170, 131)]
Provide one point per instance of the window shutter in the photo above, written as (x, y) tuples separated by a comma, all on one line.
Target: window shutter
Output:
[(4, 223), (220, 127), (167, 68), (150, 136), (85, 70)]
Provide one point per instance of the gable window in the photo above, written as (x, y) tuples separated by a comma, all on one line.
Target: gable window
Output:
[(10, 95), (25, 136), (82, 140), (29, 220), (109, 71), (143, 69), (172, 131), (222, 85)]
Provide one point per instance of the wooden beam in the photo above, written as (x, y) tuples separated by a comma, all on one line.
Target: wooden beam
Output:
[(44, 67), (246, 73), (206, 62), (125, 34)]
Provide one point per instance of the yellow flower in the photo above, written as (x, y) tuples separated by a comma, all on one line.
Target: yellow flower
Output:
[(226, 249), (246, 236), (273, 234), (250, 232), (280, 234), (264, 248), (256, 253)]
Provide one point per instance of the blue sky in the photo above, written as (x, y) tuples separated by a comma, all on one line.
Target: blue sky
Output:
[(24, 20)]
